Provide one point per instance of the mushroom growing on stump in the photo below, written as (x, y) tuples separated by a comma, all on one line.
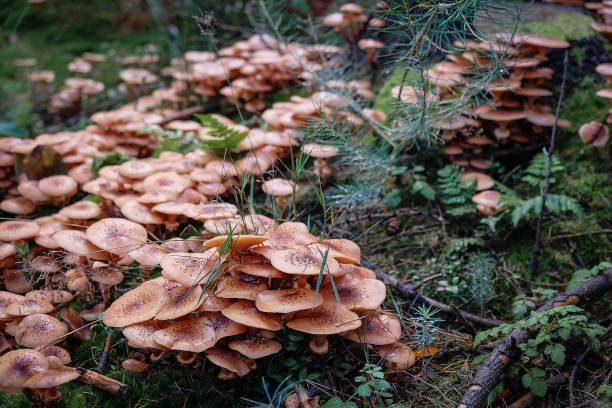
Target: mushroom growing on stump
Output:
[(328, 318), (281, 189), (320, 152)]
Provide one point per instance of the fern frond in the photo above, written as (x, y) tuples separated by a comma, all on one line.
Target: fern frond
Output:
[(455, 195)]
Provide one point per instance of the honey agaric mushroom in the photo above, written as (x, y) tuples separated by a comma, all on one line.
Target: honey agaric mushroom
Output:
[(39, 330), (328, 318), (213, 303), (76, 323), (320, 152), (140, 335), (189, 268), (398, 355), (135, 306), (76, 242), (58, 187), (369, 45), (594, 133), (18, 231), (131, 364), (52, 296), (483, 182), (245, 312), (234, 245), (302, 260), (281, 189), (230, 361), (287, 300), (106, 277), (82, 210), (26, 307), (117, 235), (241, 286), (179, 300), (51, 351), (188, 334), (487, 201), (342, 250), (378, 329), (366, 294), (256, 347), (18, 206), (6, 298), (17, 366)]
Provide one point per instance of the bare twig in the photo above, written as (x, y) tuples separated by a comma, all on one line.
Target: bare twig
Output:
[(551, 149), (581, 234), (104, 357)]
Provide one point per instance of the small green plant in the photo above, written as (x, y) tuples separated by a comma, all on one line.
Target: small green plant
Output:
[(425, 323), (582, 275), (552, 328), (223, 136), (372, 386), (481, 274), (455, 194)]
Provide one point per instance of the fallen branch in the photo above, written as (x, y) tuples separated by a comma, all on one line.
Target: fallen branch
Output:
[(409, 292), (102, 382), (581, 234), (552, 384), (507, 351)]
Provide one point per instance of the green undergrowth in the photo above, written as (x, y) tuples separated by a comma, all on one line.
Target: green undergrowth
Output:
[(565, 26)]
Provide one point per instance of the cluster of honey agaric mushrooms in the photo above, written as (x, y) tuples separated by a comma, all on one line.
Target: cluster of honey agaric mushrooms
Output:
[(602, 11), (230, 299)]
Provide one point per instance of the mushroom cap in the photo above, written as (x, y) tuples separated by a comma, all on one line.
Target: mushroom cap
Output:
[(140, 213), (58, 186), (240, 286), (189, 268), (136, 169), (263, 270), (351, 8), (223, 326), (40, 329), (213, 303), (17, 205), (397, 353), (287, 300), (211, 210), (302, 260), (230, 360), (278, 187), (52, 378), (137, 305), (202, 175), (501, 116), (147, 255), (6, 298), (131, 364), (356, 272), (328, 318), (546, 119), (28, 306), (604, 69), (484, 182), (180, 300), (55, 351), (18, 230), (320, 151), (245, 312), (370, 44), (489, 198), (594, 133), (30, 190), (604, 93), (140, 335), (44, 264), (6, 250), (106, 275), (76, 242), (117, 235), (545, 42), (82, 210), (235, 244), (188, 334), (17, 366), (365, 294), (256, 347), (379, 329), (334, 20), (342, 250), (137, 76)]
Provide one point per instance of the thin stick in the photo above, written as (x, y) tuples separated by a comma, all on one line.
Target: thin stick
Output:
[(551, 149), (581, 234), (105, 354)]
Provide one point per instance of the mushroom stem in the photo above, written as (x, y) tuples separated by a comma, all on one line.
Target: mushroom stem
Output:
[(157, 355), (186, 357), (282, 205), (226, 374), (371, 59), (319, 344)]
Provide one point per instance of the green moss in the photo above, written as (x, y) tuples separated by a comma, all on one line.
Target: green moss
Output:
[(567, 26), (583, 105), (384, 100)]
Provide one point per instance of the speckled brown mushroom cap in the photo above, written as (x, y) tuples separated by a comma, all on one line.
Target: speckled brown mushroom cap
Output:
[(399, 354), (287, 300), (489, 198), (245, 312), (262, 270), (594, 133), (137, 76), (328, 318), (17, 366), (117, 235), (188, 334), (256, 347), (140, 335), (320, 151), (18, 230), (484, 182), (140, 213), (351, 8), (52, 296), (44, 264), (343, 250), (82, 210), (6, 298), (30, 190), (131, 364), (52, 378), (136, 169), (58, 186), (378, 329), (365, 294), (76, 242), (180, 300), (240, 286), (135, 306), (229, 360), (604, 93), (106, 275), (223, 326), (147, 255), (546, 119), (28, 306), (301, 260), (189, 268), (40, 329), (213, 303), (17, 205), (236, 244), (55, 351)]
